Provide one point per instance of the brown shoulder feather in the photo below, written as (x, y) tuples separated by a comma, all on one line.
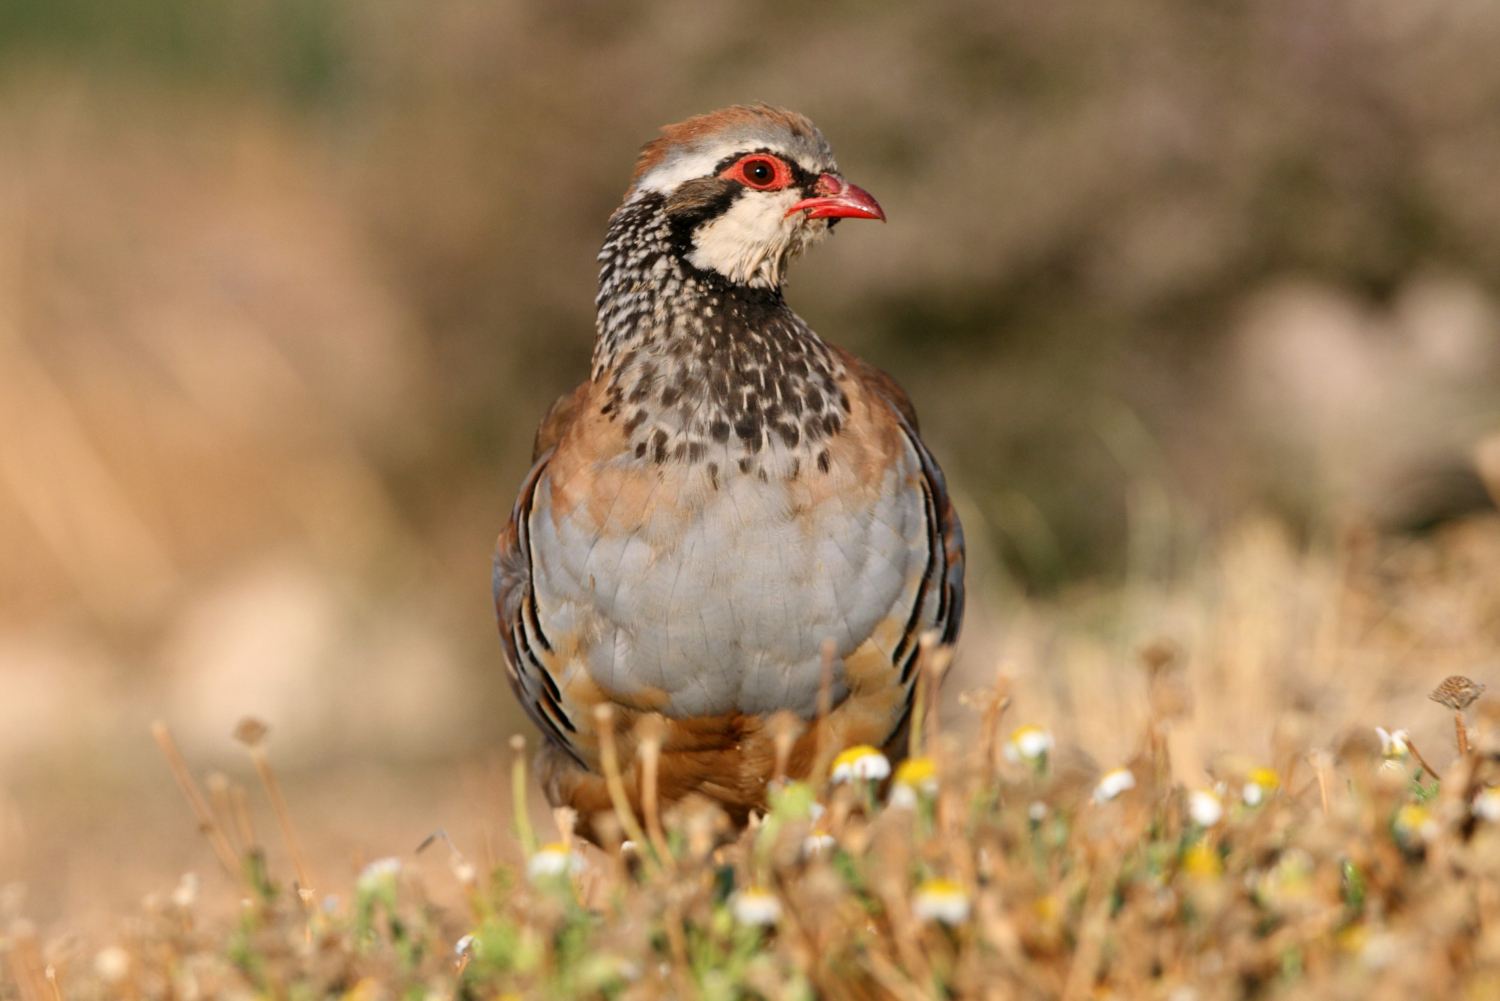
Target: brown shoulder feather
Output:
[(561, 414), (882, 382)]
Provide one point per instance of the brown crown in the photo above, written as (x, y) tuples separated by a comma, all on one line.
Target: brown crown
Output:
[(700, 127)]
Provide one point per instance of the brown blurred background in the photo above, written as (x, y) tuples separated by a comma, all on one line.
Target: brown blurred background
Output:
[(286, 284)]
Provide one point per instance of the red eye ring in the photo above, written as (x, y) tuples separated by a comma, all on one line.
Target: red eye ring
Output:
[(760, 171)]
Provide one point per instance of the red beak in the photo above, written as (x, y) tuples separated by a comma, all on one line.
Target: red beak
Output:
[(838, 199)]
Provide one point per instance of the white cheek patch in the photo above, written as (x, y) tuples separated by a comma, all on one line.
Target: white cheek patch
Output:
[(751, 241)]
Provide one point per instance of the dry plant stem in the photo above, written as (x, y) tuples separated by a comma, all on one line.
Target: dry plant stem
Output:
[(919, 696), (804, 951), (996, 702), (935, 663), (1420, 760), (21, 976), (283, 813), (907, 933), (24, 961), (566, 819), (825, 754), (1461, 732), (520, 813), (785, 728), (218, 795), (888, 975), (609, 760), (650, 754), (677, 943), (57, 994), (240, 798), (206, 822), (1091, 934)]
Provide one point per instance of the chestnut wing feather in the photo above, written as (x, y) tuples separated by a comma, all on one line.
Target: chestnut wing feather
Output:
[(527, 647), (943, 578)]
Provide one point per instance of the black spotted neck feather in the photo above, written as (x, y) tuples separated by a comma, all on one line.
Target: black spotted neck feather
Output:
[(700, 370)]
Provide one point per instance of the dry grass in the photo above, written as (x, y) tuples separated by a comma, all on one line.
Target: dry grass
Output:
[(1307, 861)]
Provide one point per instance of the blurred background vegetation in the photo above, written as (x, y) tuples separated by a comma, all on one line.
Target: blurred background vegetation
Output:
[(286, 284)]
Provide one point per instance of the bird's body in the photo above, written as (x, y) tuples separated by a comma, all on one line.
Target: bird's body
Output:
[(726, 493)]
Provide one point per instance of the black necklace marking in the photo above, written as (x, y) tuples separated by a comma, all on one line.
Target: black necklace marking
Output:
[(697, 366)]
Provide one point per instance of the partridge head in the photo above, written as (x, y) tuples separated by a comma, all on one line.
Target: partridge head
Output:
[(746, 190), (730, 505)]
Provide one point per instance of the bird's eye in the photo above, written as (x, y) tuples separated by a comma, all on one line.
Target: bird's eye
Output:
[(763, 172)]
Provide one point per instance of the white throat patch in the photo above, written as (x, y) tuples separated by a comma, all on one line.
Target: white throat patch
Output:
[(752, 241)]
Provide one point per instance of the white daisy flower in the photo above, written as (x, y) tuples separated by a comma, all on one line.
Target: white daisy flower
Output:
[(1028, 743), (941, 900), (902, 797), (755, 906), (1260, 783), (861, 762), (915, 776), (818, 843), (376, 873), (1205, 807), (1487, 804), (1414, 823), (553, 860), (1394, 743), (1113, 783)]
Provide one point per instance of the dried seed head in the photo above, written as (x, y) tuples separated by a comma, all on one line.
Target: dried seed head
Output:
[(1160, 655), (651, 729), (566, 819), (251, 731), (1456, 692), (785, 728), (938, 662), (113, 964), (702, 820)]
